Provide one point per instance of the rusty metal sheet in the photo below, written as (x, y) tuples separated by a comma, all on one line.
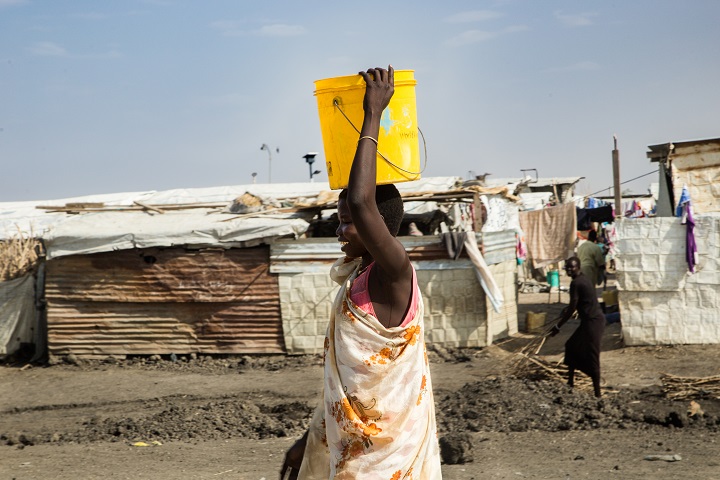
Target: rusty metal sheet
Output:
[(161, 301), (163, 275)]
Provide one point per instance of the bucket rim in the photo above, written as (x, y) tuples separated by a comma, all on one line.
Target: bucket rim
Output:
[(351, 82)]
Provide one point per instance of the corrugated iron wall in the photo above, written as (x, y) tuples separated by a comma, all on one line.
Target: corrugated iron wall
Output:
[(162, 301)]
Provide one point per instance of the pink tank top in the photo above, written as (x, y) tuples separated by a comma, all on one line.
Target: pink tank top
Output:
[(360, 295)]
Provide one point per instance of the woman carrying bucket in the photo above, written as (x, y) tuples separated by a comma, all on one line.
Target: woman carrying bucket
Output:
[(377, 417)]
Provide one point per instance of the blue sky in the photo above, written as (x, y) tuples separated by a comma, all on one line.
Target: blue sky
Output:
[(134, 95)]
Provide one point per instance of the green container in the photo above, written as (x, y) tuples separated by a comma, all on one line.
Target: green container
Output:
[(553, 278)]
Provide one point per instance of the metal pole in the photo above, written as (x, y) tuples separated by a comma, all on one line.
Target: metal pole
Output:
[(616, 179), (266, 147)]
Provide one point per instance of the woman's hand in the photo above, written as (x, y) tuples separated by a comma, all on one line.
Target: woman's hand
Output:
[(379, 90)]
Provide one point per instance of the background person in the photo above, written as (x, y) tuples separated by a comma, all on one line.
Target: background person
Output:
[(582, 350), (592, 259)]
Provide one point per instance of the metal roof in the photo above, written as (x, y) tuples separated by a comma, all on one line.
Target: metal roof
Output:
[(541, 182)]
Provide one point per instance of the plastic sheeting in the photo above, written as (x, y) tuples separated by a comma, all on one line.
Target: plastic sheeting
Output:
[(17, 313), (660, 303), (108, 231), (484, 276)]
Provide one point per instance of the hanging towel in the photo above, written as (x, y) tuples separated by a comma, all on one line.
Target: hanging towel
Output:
[(550, 233)]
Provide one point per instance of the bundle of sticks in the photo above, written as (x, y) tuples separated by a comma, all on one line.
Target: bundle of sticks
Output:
[(540, 369), (682, 388), (527, 354), (528, 364)]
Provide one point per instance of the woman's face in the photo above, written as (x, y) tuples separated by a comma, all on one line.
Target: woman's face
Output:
[(350, 242)]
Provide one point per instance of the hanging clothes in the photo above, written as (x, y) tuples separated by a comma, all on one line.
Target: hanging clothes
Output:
[(520, 248), (454, 243), (691, 254), (550, 233), (684, 198), (685, 209)]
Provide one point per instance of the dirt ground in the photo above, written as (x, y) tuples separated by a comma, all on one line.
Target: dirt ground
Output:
[(233, 418)]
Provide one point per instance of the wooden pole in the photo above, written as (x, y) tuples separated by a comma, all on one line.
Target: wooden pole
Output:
[(616, 179)]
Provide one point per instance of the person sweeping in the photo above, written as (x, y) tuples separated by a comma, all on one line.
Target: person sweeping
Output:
[(582, 350), (376, 418)]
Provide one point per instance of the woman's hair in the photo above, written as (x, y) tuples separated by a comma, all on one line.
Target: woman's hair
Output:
[(592, 235), (390, 206)]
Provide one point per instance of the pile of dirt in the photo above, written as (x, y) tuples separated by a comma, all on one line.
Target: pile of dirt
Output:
[(181, 419), (510, 404)]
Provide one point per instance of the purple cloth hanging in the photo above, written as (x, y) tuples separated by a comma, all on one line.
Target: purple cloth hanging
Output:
[(690, 245)]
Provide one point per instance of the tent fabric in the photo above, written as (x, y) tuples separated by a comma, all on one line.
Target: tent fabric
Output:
[(108, 231), (17, 313)]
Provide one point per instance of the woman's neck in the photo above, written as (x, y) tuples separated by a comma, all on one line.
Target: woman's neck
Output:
[(367, 259)]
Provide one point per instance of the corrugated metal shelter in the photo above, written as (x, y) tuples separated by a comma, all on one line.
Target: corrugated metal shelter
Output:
[(160, 272), (162, 301)]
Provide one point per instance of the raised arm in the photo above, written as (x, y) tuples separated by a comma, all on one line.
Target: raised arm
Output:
[(388, 252)]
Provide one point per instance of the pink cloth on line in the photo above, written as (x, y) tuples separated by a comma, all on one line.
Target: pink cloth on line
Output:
[(360, 295)]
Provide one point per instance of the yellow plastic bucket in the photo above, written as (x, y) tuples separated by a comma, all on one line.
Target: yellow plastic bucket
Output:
[(533, 321), (340, 107), (610, 297)]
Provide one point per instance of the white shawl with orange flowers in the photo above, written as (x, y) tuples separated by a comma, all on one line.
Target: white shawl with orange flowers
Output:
[(377, 417)]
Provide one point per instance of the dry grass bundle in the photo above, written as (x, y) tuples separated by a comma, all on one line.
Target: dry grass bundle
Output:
[(683, 388), (18, 256)]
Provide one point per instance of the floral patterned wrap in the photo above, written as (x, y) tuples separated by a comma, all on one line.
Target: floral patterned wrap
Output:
[(377, 418)]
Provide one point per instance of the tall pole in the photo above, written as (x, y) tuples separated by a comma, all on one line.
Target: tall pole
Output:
[(616, 179), (265, 147)]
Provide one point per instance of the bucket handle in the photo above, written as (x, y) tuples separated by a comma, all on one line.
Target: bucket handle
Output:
[(336, 103)]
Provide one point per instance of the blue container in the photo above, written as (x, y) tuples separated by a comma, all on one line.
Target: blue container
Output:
[(553, 278)]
